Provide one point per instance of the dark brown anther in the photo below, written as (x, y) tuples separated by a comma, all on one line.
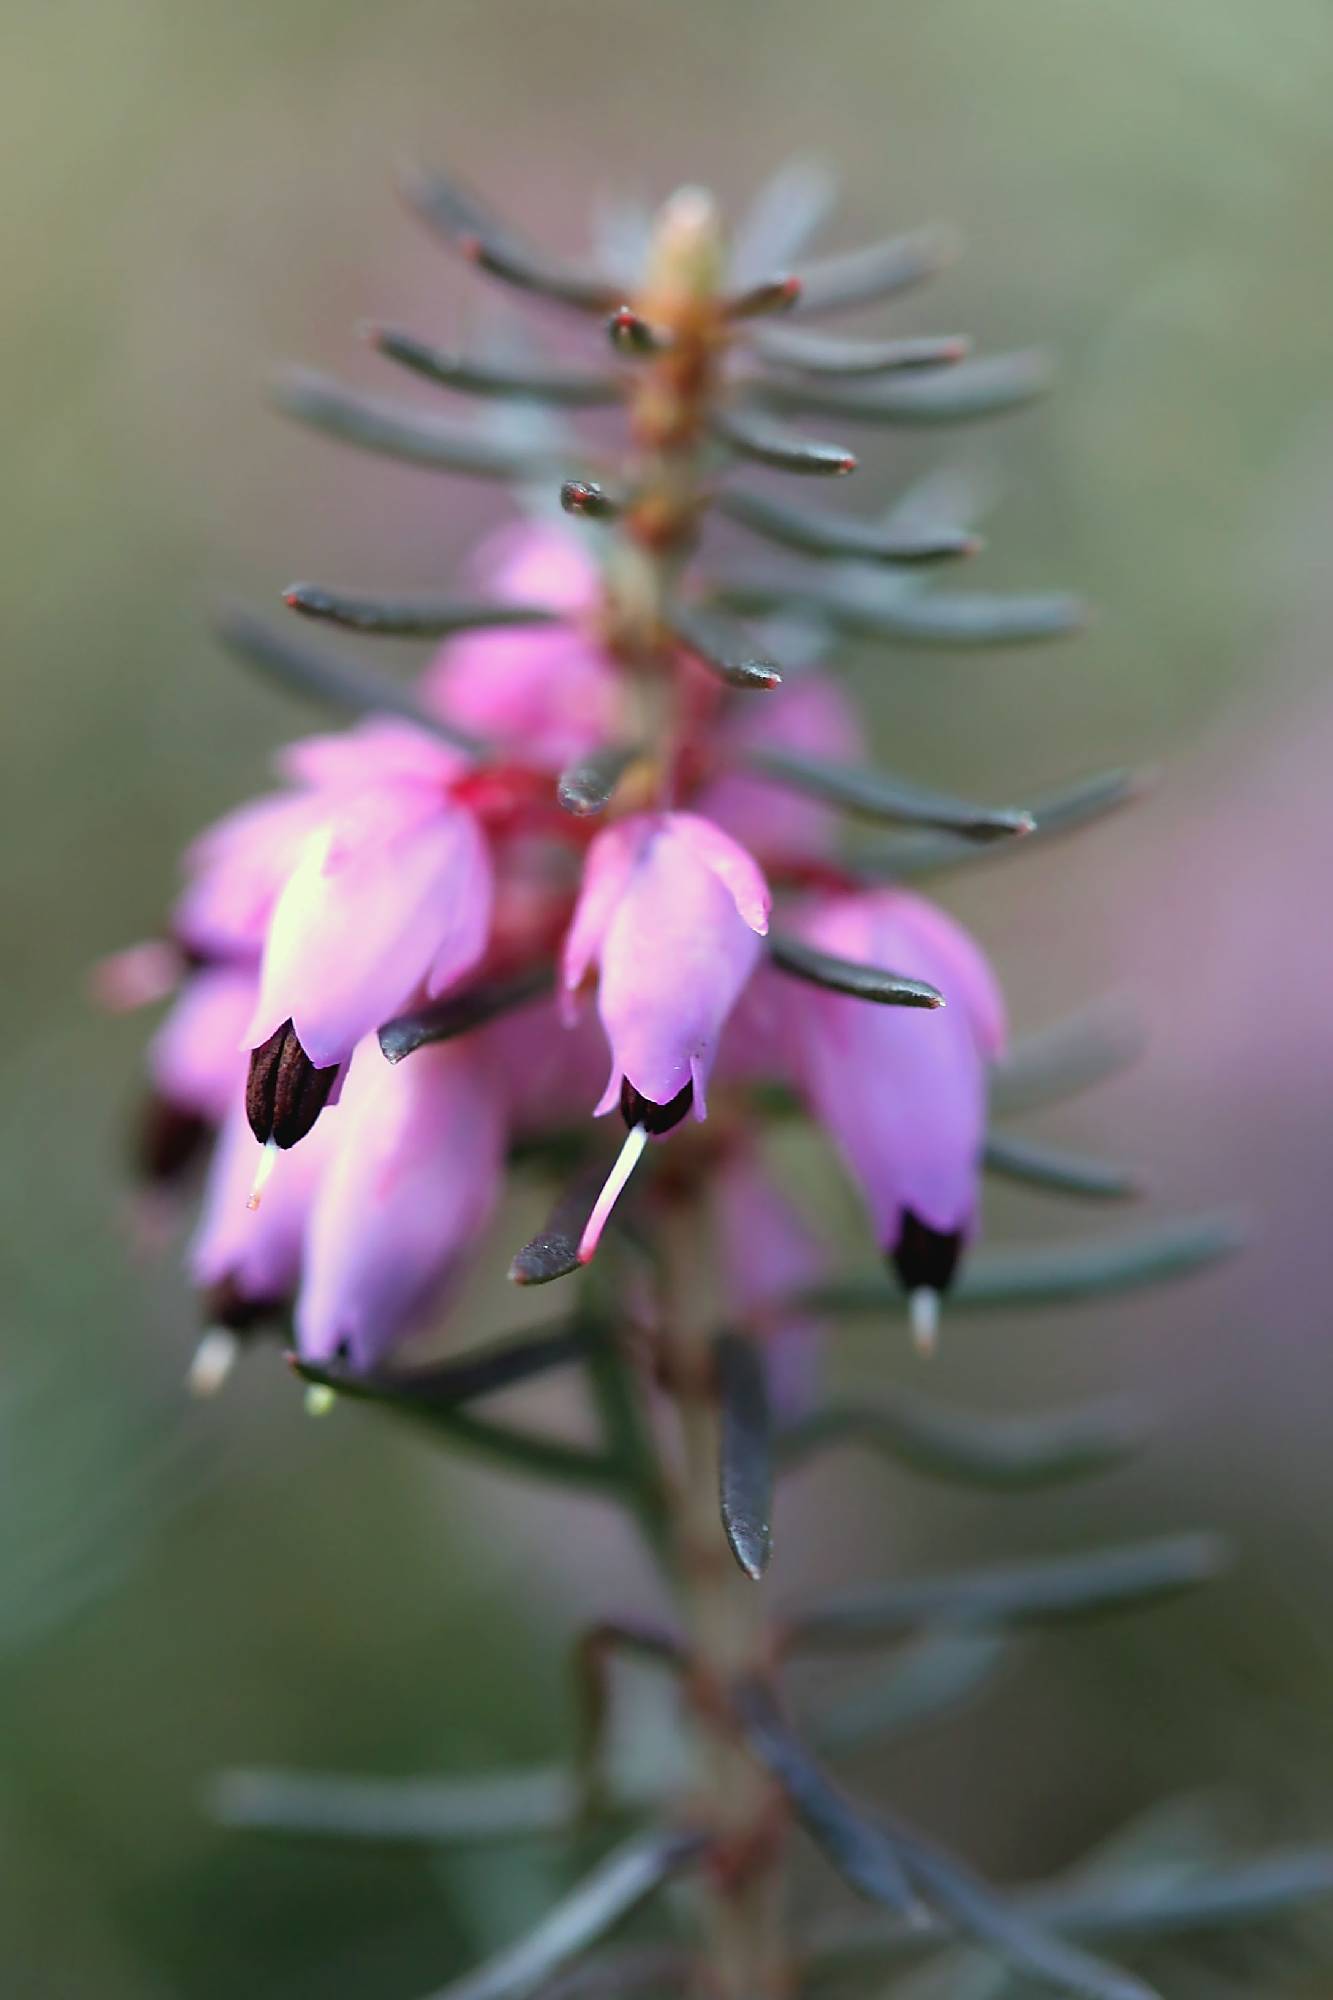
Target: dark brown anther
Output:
[(224, 1304), (168, 1142), (285, 1093), (636, 1109), (925, 1259)]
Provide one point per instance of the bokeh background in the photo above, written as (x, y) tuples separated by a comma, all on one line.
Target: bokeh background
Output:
[(194, 191)]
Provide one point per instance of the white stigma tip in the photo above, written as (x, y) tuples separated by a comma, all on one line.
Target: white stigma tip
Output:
[(923, 1308), (268, 1159), (626, 1161), (214, 1359), (319, 1399)]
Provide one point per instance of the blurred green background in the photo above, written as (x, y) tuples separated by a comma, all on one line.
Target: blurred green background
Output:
[(195, 191)]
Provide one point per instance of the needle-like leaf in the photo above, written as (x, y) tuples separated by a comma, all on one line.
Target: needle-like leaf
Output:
[(858, 603), (754, 437), (1065, 811), (879, 271), (350, 685), (1069, 1056), (824, 354), (995, 1921), (1136, 1905), (467, 225), (843, 975), (517, 1450), (769, 295), (862, 1854), (1008, 1453), (842, 536), (401, 430), (571, 388), (1050, 1167), (618, 1884), (1063, 1271), (458, 1013), (989, 386), (725, 652), (784, 216), (407, 617), (587, 787), (925, 1679), (878, 796), (1049, 1591), (511, 1805), (746, 1450)]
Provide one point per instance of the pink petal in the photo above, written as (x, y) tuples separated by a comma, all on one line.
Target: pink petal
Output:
[(406, 1195), (258, 1250), (607, 868), (348, 948), (194, 1058), (736, 869)]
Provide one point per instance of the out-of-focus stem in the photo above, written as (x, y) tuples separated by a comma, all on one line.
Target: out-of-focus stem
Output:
[(744, 1954)]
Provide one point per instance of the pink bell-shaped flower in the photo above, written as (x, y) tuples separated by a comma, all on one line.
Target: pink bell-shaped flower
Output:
[(902, 1090), (412, 1176)]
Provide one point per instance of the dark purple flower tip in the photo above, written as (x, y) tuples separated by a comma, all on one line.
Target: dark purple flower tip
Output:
[(284, 1092), (226, 1304), (636, 1109), (925, 1258), (169, 1141)]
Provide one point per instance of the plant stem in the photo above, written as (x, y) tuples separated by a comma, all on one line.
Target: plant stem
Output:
[(723, 1611)]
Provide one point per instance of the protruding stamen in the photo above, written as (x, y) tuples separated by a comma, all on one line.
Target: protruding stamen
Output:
[(923, 1307), (214, 1359), (614, 1186), (267, 1161), (319, 1399)]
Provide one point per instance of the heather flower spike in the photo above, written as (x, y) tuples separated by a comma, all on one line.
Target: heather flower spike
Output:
[(532, 884)]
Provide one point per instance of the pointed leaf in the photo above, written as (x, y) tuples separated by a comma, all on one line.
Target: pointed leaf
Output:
[(524, 1451), (1069, 1056), (459, 1013), (882, 797), (588, 786), (1137, 1905), (1065, 1271), (1055, 1170), (746, 1451), (407, 617), (511, 1805), (841, 536), (464, 222), (879, 271), (990, 386), (770, 295), (449, 1384), (785, 214), (401, 430), (842, 975), (724, 652), (968, 618), (924, 1680), (1051, 1590), (857, 1848), (576, 389), (752, 436), (348, 685), (1066, 811), (1005, 1452), (618, 1884), (554, 1251), (824, 354), (995, 1921)]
